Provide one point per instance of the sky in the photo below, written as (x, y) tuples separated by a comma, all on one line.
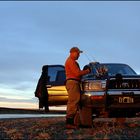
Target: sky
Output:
[(37, 33)]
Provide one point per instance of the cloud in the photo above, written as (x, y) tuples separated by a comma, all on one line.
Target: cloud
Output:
[(12, 92), (35, 34), (3, 99)]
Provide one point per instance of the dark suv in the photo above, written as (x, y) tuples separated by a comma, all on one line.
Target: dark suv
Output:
[(110, 89)]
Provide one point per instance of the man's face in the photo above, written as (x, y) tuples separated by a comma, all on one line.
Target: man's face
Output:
[(76, 55)]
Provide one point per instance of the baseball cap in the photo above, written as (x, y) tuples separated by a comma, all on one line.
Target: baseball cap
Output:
[(75, 49)]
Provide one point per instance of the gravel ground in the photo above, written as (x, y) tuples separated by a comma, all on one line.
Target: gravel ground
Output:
[(54, 128)]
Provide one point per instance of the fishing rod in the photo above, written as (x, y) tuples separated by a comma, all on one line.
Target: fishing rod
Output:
[(99, 69), (91, 62)]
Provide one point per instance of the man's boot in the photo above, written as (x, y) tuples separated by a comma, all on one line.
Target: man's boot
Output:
[(70, 123), (46, 109)]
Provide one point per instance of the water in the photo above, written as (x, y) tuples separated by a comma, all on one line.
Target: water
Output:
[(9, 116)]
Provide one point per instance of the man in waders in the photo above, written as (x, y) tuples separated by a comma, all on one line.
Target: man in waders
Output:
[(73, 78)]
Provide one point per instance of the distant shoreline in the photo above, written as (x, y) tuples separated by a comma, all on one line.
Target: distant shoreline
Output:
[(5, 110)]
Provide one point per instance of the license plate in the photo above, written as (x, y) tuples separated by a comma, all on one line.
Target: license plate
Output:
[(126, 100)]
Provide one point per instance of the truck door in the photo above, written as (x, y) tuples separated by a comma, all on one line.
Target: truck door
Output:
[(56, 85)]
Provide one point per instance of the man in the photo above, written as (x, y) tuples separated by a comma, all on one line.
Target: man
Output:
[(41, 90), (73, 77)]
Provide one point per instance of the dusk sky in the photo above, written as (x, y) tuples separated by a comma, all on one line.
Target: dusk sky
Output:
[(39, 32)]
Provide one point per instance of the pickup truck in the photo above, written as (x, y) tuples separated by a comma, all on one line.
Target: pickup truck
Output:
[(111, 89)]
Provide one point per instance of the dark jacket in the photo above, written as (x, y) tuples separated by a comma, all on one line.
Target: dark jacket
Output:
[(41, 89)]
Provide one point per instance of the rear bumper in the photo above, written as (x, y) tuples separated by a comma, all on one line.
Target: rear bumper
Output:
[(124, 106), (126, 99), (111, 100)]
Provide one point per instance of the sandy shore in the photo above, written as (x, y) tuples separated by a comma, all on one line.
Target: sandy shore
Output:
[(54, 128)]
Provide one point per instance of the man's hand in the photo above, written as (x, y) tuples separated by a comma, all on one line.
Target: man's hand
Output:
[(87, 69)]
